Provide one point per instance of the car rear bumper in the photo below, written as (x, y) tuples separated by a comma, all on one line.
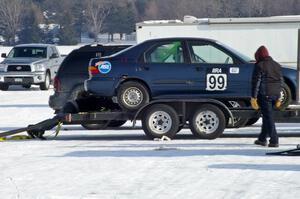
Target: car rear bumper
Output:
[(100, 87), (15, 78)]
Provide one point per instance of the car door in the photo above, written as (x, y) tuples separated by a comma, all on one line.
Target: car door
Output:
[(218, 73), (165, 68)]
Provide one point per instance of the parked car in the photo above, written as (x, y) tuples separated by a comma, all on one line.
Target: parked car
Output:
[(68, 83), (177, 68), (29, 64)]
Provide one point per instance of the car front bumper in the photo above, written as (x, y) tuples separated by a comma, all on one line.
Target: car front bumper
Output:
[(15, 78)]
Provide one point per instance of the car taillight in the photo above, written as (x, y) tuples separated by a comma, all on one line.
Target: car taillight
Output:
[(57, 84), (93, 70)]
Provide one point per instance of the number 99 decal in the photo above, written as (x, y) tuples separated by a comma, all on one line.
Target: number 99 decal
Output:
[(216, 82)]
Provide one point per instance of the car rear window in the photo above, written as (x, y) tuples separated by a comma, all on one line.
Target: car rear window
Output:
[(78, 60)]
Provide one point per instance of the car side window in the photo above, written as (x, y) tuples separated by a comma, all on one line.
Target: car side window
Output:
[(202, 52), (50, 52), (166, 52), (54, 50)]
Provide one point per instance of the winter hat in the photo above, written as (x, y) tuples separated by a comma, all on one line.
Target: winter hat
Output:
[(262, 52)]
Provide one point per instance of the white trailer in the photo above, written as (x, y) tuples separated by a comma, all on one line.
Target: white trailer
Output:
[(279, 33)]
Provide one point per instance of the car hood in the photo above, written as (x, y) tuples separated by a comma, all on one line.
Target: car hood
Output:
[(22, 60), (289, 67)]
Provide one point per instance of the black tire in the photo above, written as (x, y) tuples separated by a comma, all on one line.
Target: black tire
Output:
[(252, 121), (208, 122), (238, 121), (27, 86), (138, 92), (160, 120), (4, 87), (103, 125), (99, 126), (46, 84), (116, 123), (286, 96)]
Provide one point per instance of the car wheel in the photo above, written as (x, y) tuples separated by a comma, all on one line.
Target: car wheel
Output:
[(46, 84), (252, 121), (4, 87), (238, 121), (160, 120), (208, 122), (99, 126), (116, 123), (132, 96), (26, 86), (285, 96)]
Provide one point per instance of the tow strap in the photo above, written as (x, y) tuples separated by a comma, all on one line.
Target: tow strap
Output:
[(33, 131)]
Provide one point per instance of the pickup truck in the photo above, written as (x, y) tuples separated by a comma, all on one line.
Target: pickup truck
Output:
[(29, 64)]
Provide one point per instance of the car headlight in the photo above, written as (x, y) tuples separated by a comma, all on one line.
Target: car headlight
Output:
[(39, 67), (2, 67)]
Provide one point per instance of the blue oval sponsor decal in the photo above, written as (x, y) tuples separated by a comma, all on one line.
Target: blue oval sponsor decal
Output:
[(104, 67)]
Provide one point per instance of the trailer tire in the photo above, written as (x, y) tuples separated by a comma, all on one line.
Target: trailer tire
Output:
[(252, 121), (285, 96), (132, 95), (160, 120), (116, 123), (103, 125), (238, 121), (99, 126), (208, 122)]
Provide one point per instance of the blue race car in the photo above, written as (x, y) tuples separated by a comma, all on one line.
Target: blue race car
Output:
[(177, 68)]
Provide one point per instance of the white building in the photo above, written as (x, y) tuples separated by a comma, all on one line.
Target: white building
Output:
[(279, 34)]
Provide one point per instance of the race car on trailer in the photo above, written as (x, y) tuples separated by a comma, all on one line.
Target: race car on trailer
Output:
[(179, 68)]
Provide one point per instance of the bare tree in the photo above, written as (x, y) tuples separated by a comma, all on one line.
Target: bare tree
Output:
[(10, 18), (96, 12)]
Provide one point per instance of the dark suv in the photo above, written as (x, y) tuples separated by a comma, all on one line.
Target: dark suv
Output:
[(68, 83)]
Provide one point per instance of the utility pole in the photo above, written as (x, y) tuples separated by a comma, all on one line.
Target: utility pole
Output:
[(298, 70)]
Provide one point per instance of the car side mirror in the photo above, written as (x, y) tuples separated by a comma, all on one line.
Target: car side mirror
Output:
[(54, 55), (3, 55)]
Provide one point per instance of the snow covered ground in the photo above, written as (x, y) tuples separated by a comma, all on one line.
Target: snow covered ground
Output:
[(81, 164)]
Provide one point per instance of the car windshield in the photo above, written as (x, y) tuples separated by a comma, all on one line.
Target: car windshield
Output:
[(244, 57), (33, 52)]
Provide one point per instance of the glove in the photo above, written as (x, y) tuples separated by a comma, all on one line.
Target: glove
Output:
[(254, 104), (278, 104)]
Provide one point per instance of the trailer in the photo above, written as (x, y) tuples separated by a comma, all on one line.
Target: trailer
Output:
[(206, 118), (278, 33)]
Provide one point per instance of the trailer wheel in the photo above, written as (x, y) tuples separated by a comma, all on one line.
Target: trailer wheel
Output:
[(252, 121), (208, 122), (132, 95), (285, 96), (238, 121), (116, 123), (160, 120), (103, 125)]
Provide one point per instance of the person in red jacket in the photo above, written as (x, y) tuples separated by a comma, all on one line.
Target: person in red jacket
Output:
[(266, 86)]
